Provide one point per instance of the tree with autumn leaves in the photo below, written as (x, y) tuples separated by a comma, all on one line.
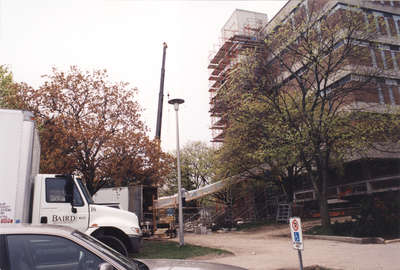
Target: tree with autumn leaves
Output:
[(91, 127)]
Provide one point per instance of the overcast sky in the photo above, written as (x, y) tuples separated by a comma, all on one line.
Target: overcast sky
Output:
[(125, 37)]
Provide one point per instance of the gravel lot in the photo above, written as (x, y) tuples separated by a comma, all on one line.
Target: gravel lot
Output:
[(269, 248)]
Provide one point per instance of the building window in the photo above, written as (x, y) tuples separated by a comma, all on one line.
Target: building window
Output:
[(366, 18), (398, 90), (390, 82), (394, 48), (373, 56), (380, 94), (378, 28), (396, 24), (383, 59), (391, 96), (396, 66), (387, 27)]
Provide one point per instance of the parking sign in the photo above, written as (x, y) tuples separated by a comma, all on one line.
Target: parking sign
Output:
[(297, 235)]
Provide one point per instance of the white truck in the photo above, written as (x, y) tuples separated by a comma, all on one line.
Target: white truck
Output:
[(29, 197), (138, 199)]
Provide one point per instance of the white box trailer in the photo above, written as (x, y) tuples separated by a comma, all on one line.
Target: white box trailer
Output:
[(117, 195), (19, 163), (29, 197), (138, 199)]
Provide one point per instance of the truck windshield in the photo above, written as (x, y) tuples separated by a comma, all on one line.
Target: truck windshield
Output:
[(85, 191)]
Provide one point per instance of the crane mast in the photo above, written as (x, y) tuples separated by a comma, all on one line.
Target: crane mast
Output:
[(161, 94)]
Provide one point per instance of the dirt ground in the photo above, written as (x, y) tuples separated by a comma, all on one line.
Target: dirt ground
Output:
[(269, 248)]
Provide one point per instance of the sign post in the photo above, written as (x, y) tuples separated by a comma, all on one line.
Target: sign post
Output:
[(297, 237)]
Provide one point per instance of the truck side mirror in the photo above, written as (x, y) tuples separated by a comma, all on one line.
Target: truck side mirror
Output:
[(69, 190), (69, 193)]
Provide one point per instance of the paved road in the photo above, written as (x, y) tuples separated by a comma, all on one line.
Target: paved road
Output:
[(270, 249)]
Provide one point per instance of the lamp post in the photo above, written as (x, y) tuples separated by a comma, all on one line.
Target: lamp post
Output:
[(176, 103)]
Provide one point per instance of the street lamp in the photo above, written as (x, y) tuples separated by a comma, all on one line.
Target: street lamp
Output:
[(176, 103)]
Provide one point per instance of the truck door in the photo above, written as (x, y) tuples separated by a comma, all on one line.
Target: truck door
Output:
[(63, 204)]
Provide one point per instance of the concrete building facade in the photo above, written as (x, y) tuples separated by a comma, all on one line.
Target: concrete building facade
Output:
[(377, 65)]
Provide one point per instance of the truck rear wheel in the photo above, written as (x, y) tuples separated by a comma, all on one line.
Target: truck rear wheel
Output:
[(114, 243)]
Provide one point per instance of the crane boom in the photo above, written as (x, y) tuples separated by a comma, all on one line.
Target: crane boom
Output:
[(161, 94), (172, 201)]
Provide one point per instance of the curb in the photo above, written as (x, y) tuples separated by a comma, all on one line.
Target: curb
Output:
[(354, 240), (392, 241)]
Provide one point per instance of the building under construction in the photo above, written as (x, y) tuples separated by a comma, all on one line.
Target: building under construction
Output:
[(242, 31), (376, 173)]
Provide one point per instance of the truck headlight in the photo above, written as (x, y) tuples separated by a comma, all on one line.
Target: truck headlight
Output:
[(136, 230)]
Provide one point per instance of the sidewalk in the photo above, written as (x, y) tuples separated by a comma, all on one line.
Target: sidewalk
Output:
[(265, 250)]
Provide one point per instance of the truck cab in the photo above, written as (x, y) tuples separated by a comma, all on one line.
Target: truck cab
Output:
[(65, 200)]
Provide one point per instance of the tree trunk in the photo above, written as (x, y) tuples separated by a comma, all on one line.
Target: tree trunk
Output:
[(320, 184), (323, 210), (323, 199)]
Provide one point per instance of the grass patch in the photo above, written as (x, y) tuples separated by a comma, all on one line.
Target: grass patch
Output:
[(319, 230), (155, 249)]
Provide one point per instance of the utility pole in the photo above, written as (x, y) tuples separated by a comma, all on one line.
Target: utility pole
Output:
[(161, 94)]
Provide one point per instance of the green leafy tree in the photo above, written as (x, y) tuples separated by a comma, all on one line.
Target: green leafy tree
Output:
[(7, 89), (197, 168), (285, 112)]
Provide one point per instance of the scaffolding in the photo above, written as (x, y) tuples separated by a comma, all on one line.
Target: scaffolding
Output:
[(242, 31)]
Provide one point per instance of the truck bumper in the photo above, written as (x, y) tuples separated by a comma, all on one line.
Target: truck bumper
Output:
[(136, 243)]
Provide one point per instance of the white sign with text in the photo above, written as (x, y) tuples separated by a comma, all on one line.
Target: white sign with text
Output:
[(296, 233)]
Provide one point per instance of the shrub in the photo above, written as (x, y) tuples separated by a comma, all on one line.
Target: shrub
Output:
[(379, 216)]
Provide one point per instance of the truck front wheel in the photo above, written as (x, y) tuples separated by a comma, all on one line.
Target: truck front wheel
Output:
[(114, 243)]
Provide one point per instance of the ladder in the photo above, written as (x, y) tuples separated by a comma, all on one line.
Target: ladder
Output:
[(284, 212)]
